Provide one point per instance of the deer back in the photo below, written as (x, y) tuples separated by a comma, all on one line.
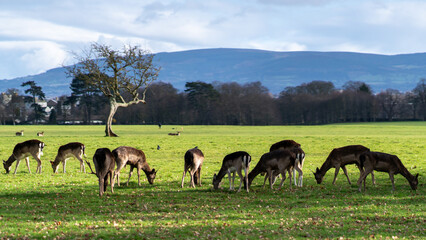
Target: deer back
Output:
[(104, 162), (194, 157), (284, 144)]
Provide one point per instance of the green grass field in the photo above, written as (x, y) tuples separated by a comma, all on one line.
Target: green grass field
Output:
[(67, 206)]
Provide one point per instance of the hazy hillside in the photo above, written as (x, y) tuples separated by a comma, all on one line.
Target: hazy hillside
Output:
[(276, 70)]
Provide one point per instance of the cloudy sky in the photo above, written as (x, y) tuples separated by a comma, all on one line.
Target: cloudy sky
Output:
[(36, 36)]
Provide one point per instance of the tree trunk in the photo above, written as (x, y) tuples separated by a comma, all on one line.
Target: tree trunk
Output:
[(113, 109)]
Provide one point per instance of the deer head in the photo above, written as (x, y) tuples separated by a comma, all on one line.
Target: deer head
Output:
[(54, 166), (318, 176), (414, 182), (6, 166), (151, 176), (215, 182)]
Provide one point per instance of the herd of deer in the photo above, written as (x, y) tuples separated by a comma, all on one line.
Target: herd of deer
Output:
[(284, 156)]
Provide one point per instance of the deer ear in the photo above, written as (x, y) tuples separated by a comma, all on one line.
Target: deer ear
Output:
[(417, 176), (51, 162), (317, 169)]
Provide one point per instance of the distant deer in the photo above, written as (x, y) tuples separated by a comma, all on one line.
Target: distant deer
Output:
[(234, 162), (40, 134), (292, 146), (278, 160), (104, 162), (339, 158), (175, 134), (25, 149), (21, 133), (136, 159), (73, 149), (193, 161), (384, 162)]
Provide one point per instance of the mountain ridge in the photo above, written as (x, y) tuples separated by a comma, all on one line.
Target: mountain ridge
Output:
[(275, 70)]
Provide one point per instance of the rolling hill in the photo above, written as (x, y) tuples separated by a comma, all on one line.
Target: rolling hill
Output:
[(276, 70)]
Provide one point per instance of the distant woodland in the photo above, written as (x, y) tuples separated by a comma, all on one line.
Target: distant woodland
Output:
[(317, 102)]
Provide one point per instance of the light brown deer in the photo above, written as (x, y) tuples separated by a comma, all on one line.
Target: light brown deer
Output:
[(234, 162), (21, 133), (104, 162), (40, 134), (25, 149), (193, 161), (72, 149), (339, 158), (384, 162), (136, 159), (278, 160)]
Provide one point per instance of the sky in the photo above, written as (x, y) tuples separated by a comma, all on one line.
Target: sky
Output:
[(36, 36)]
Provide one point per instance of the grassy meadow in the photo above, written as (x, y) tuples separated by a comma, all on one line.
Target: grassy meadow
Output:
[(67, 206)]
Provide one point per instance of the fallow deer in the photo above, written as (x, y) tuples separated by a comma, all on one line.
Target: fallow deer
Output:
[(136, 159), (104, 162), (297, 167), (278, 160), (22, 150), (234, 162), (384, 162), (21, 133), (193, 161), (40, 134), (175, 134), (72, 149), (339, 158)]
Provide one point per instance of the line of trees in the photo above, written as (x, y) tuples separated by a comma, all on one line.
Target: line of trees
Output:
[(317, 102)]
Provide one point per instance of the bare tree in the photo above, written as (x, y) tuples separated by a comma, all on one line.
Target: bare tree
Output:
[(388, 101), (116, 73)]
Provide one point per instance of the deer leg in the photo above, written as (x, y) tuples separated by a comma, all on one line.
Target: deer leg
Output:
[(64, 163), (230, 180), (130, 174), (111, 180), (82, 168), (392, 180), (289, 176), (233, 180), (283, 179), (106, 181), (297, 168), (362, 178), (264, 181), (335, 175), (139, 176), (37, 158), (17, 164), (270, 178), (101, 186), (241, 179), (246, 178), (192, 173), (27, 161), (346, 173), (372, 178), (199, 175), (183, 176)]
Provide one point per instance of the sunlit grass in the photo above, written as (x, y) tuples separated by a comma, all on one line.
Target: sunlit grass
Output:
[(65, 206)]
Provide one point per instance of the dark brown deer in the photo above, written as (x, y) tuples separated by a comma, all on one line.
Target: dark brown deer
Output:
[(72, 149), (234, 162), (175, 134), (193, 161), (384, 162), (290, 145), (278, 160), (40, 134), (104, 162), (21, 133), (136, 159), (25, 149), (339, 158)]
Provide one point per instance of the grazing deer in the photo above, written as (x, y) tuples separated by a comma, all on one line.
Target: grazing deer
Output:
[(339, 158), (290, 145), (40, 134), (21, 133), (278, 160), (384, 162), (193, 161), (104, 162), (73, 149), (297, 167), (232, 163), (24, 150), (175, 134), (136, 159)]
